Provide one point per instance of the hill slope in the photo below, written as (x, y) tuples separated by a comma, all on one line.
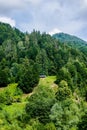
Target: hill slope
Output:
[(23, 57), (40, 104), (72, 41)]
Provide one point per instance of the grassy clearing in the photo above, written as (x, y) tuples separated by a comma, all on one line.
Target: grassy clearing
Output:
[(44, 82), (18, 107), (48, 81)]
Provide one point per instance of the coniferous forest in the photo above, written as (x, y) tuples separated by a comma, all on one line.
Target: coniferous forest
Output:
[(43, 81)]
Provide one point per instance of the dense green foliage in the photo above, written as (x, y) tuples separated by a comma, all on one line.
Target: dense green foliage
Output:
[(82, 125), (56, 102), (72, 41)]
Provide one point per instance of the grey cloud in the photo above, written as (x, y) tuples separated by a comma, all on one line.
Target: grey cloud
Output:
[(17, 5)]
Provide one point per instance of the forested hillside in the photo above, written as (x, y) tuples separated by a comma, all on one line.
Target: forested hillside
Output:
[(57, 102), (72, 41)]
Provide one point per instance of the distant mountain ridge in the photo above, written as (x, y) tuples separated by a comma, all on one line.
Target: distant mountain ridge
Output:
[(72, 41), (64, 37)]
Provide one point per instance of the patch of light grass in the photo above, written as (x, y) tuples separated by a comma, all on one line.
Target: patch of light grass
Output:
[(49, 80)]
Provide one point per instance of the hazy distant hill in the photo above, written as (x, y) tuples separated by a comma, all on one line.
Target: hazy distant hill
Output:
[(72, 41)]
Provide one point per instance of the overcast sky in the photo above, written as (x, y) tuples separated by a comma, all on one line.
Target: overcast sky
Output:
[(51, 16)]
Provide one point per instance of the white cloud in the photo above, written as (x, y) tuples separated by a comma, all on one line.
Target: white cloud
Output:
[(8, 20), (55, 30)]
